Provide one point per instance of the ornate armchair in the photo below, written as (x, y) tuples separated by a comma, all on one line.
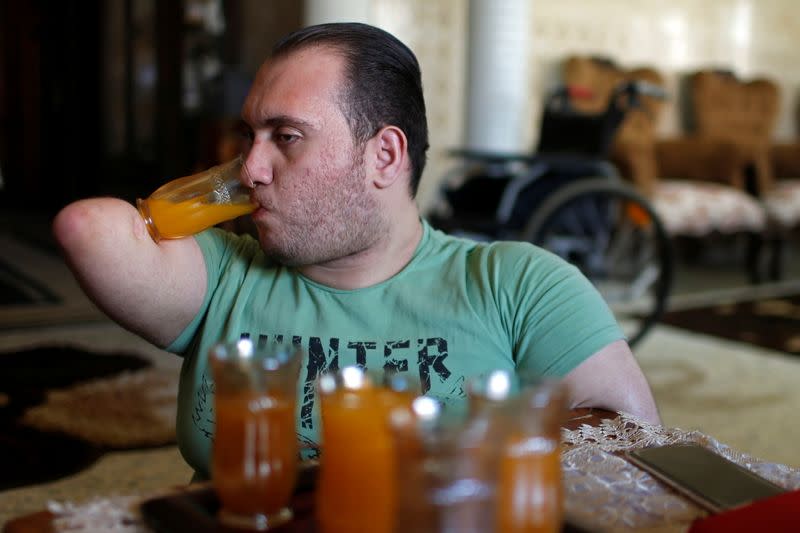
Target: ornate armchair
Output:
[(783, 198), (697, 183), (742, 112), (774, 167)]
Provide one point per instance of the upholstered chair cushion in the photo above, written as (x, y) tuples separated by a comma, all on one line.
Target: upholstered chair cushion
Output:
[(697, 208), (696, 183), (782, 202)]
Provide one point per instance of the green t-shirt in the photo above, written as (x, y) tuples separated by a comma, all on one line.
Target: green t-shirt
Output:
[(459, 308)]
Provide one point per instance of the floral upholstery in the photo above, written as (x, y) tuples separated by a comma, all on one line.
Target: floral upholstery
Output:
[(696, 182), (782, 202), (696, 209)]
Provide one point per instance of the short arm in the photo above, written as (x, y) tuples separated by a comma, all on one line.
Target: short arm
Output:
[(611, 379), (151, 289)]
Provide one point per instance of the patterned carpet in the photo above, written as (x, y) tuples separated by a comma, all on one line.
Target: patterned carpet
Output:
[(770, 322), (69, 395), (40, 418), (743, 395), (106, 426)]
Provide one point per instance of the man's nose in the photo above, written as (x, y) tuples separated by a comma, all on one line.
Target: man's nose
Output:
[(257, 166)]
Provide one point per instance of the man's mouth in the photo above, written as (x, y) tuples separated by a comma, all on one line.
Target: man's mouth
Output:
[(262, 204)]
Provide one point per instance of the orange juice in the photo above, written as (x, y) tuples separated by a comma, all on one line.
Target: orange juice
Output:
[(356, 491), (529, 486), (254, 462), (173, 220)]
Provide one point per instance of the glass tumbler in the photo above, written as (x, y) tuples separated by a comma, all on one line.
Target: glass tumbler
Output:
[(190, 204), (447, 482), (529, 493), (255, 450), (356, 484)]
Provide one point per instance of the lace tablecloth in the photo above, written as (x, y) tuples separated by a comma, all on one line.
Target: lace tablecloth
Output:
[(601, 489), (608, 493)]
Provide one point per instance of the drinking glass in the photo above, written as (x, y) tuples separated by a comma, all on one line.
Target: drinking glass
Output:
[(190, 204), (447, 482), (255, 451), (529, 495), (356, 484)]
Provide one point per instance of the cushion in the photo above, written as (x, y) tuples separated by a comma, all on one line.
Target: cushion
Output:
[(782, 202), (694, 208)]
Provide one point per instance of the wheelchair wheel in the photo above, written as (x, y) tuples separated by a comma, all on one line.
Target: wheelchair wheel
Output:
[(613, 235)]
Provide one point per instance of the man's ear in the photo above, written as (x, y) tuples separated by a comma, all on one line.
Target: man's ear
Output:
[(390, 155)]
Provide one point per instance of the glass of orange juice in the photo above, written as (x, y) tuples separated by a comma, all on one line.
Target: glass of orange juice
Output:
[(529, 486), (447, 479), (356, 484), (190, 204), (255, 451)]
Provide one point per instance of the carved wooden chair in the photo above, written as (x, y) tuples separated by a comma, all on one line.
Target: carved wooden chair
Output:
[(696, 182)]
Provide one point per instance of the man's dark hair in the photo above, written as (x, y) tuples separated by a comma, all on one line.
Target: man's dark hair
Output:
[(383, 84)]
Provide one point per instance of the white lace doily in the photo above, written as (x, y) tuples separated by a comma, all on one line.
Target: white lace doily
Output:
[(606, 492), (118, 514), (601, 489)]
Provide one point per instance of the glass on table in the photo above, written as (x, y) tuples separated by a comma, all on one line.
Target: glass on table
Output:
[(356, 484), (447, 482), (529, 494), (255, 450), (190, 204)]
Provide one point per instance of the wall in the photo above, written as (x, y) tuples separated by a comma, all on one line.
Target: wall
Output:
[(436, 32)]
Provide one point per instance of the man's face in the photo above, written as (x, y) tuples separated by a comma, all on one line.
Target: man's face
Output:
[(310, 180)]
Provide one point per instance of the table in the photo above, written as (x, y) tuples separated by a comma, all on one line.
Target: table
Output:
[(42, 522), (602, 490)]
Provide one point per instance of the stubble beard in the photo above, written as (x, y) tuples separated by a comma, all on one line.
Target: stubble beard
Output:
[(339, 222)]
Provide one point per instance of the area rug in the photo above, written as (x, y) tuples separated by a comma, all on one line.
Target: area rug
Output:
[(771, 321), (62, 407), (743, 395)]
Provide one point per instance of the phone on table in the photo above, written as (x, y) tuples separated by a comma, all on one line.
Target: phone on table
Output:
[(705, 477)]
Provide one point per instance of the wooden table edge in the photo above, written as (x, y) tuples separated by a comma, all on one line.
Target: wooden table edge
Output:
[(42, 521)]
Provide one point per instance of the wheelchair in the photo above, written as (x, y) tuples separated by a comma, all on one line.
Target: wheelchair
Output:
[(568, 198)]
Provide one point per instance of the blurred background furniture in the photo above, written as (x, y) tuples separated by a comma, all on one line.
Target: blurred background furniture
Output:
[(723, 107), (745, 112), (782, 199), (698, 182)]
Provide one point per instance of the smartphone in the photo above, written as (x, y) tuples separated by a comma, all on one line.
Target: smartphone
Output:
[(707, 478)]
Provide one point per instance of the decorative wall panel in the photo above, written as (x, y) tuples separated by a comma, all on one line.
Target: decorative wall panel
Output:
[(436, 31)]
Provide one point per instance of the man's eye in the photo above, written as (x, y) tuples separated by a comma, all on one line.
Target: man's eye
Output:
[(286, 138)]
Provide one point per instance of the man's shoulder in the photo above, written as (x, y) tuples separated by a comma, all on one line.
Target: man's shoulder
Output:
[(504, 254)]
